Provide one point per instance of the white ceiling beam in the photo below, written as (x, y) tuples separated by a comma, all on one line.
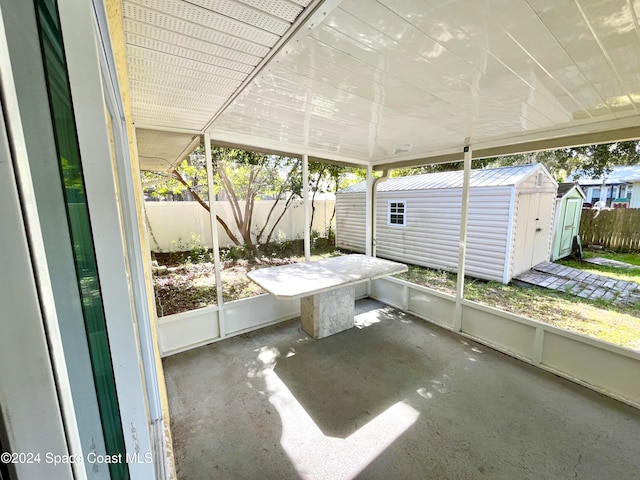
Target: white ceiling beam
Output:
[(526, 144), (159, 128), (247, 142)]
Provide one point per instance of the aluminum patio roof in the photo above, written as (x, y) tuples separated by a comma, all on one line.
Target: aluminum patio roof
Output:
[(387, 82)]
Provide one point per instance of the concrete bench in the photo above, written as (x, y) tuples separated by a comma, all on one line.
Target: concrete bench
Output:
[(326, 288)]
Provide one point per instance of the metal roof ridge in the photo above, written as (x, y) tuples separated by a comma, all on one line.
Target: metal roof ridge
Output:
[(479, 175)]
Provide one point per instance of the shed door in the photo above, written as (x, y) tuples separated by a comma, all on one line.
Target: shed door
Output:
[(532, 235), (569, 226), (526, 233), (535, 234)]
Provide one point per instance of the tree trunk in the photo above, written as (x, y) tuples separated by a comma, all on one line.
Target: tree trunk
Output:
[(273, 207), (195, 195), (313, 199), (284, 210), (242, 219)]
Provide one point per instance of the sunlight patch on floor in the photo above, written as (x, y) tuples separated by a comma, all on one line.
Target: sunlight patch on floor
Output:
[(316, 456)]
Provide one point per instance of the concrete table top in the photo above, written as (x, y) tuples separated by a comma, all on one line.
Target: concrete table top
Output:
[(303, 279)]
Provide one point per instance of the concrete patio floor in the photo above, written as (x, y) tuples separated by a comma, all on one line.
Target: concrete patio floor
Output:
[(396, 398)]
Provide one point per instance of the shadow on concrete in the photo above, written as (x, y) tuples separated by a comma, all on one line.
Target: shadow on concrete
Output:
[(346, 380), (414, 401)]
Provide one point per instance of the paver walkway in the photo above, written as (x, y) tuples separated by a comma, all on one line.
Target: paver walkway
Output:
[(580, 283), (607, 262)]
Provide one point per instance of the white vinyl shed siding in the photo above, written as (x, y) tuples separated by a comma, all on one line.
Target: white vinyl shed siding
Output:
[(432, 231), (509, 222), (350, 222), (530, 185)]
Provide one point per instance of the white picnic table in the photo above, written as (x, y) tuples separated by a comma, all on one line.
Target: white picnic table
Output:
[(326, 288)]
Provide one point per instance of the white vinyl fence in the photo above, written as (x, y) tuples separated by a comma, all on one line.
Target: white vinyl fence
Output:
[(172, 225)]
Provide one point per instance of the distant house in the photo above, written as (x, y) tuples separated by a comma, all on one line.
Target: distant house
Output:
[(614, 188), (418, 220)]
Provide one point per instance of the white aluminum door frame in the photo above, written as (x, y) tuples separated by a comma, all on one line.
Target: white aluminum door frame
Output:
[(30, 391), (77, 20)]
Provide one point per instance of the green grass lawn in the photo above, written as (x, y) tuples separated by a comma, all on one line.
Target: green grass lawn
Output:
[(632, 258), (631, 275), (191, 284), (618, 324)]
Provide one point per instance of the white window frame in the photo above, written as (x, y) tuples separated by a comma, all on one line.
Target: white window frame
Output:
[(404, 213)]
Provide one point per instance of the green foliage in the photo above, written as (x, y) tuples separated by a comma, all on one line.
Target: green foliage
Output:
[(596, 160), (237, 252), (250, 175), (71, 176), (323, 241), (198, 253), (167, 186), (246, 177), (326, 178), (178, 246)]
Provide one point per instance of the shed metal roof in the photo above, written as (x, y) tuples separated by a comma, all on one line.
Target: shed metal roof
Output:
[(565, 188), (487, 177)]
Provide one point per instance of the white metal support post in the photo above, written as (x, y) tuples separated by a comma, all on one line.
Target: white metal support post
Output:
[(368, 218), (369, 213), (307, 213), (214, 234), (374, 202), (464, 214)]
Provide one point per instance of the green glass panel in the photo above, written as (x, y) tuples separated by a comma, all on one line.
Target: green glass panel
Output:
[(72, 180)]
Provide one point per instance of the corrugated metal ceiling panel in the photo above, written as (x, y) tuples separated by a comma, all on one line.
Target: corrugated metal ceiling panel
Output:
[(361, 77), (437, 74), (192, 57)]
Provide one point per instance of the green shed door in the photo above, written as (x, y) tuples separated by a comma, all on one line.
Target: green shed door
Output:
[(569, 225)]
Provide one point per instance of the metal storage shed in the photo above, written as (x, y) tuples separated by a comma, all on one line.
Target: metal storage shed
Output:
[(567, 219), (418, 220)]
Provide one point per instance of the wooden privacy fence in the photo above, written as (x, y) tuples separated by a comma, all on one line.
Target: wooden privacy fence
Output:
[(617, 229)]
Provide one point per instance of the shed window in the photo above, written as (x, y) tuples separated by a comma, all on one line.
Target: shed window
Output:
[(397, 213), (540, 179)]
